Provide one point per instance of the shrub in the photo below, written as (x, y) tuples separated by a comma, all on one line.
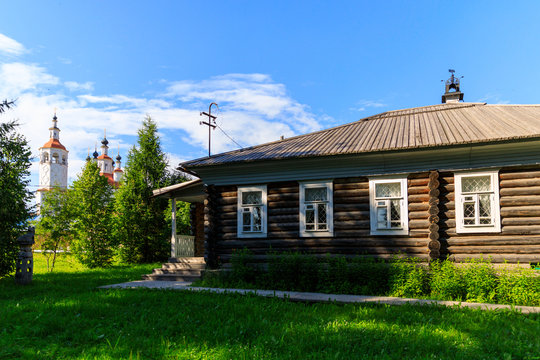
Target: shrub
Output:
[(407, 278), (292, 271), (480, 281), (242, 270), (519, 287), (446, 281)]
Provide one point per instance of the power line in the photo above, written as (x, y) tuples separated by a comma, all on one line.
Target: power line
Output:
[(227, 135)]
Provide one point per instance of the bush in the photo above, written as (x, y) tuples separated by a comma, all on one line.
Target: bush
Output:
[(293, 272), (475, 281), (480, 281), (519, 287), (407, 278), (446, 281)]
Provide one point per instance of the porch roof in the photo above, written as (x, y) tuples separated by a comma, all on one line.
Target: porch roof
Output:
[(190, 191)]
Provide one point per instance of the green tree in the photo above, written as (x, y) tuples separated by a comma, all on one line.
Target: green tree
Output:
[(55, 223), (141, 227), (14, 193), (92, 208)]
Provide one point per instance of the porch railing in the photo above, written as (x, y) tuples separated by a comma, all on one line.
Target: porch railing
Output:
[(183, 246)]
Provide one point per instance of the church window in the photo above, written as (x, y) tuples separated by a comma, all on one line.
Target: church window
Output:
[(64, 160), (55, 159), (45, 157)]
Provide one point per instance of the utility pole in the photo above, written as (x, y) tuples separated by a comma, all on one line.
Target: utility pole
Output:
[(211, 123)]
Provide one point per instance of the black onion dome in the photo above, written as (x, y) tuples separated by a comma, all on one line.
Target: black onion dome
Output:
[(105, 141), (95, 154), (113, 163), (118, 157), (88, 158)]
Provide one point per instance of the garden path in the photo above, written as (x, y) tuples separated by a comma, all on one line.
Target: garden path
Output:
[(319, 297)]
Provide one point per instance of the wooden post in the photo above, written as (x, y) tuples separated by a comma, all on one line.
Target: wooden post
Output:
[(25, 262), (173, 228), (210, 203), (434, 245)]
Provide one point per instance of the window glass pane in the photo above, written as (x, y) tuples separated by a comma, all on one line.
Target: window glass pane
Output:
[(382, 222), (316, 194), (310, 217), (468, 210), (383, 190), (395, 213), (484, 202), (476, 183), (322, 216), (257, 219), (251, 198), (485, 221), (246, 221)]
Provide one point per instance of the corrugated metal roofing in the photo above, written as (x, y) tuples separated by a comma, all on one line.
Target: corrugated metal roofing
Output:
[(422, 127)]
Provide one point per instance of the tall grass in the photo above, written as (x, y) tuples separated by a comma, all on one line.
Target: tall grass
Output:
[(474, 281)]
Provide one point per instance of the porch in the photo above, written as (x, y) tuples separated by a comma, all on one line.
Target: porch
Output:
[(192, 244)]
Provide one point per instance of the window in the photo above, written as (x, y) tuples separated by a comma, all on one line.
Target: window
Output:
[(45, 157), (55, 158), (316, 209), (388, 206), (64, 160), (252, 211), (477, 202)]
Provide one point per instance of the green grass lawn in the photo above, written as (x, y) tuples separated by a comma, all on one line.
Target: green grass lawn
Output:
[(63, 315)]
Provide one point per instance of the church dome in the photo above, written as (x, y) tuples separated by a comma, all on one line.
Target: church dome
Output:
[(105, 141)]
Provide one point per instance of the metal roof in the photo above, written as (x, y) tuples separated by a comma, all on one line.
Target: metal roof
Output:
[(421, 127), (191, 191)]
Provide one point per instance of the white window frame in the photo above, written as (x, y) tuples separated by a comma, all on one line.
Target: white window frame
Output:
[(264, 211), (329, 231), (404, 204), (495, 227)]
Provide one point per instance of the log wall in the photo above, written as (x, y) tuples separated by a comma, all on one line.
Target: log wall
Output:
[(519, 239), (431, 212)]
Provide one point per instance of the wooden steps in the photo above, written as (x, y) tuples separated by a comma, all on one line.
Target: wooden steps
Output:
[(178, 269)]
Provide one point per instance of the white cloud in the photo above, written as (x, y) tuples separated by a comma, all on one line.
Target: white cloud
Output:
[(75, 86), (16, 78), (254, 94), (363, 105), (8, 46)]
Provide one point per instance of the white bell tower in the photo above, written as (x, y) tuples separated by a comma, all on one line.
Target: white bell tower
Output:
[(53, 163)]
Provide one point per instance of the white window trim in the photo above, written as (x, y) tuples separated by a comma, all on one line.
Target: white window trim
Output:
[(496, 214), (264, 211), (373, 208), (329, 212)]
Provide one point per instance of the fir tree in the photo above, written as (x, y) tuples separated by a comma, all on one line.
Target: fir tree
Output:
[(14, 193), (141, 227), (92, 208)]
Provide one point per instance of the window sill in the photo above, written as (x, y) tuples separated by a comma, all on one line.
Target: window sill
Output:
[(479, 230), (316, 233), (251, 235), (390, 232)]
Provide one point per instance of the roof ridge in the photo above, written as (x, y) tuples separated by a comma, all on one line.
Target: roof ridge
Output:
[(434, 108)]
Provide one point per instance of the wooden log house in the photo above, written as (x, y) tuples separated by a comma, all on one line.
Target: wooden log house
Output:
[(458, 180)]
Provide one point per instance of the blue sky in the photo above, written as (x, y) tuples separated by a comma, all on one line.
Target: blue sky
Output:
[(275, 68)]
